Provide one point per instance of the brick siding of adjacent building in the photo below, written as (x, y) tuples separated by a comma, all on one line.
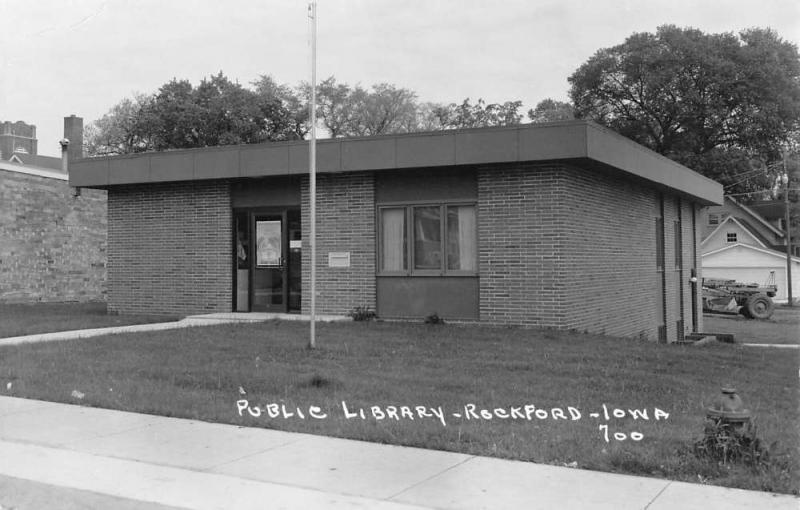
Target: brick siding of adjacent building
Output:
[(345, 223), (52, 242), (170, 248)]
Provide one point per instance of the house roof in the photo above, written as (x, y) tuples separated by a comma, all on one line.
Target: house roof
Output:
[(753, 231), (32, 170), (581, 143), (48, 162), (756, 216), (765, 251), (769, 209), (742, 224)]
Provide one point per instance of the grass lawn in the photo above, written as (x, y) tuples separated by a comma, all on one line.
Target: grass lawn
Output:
[(197, 373), (30, 319), (782, 328)]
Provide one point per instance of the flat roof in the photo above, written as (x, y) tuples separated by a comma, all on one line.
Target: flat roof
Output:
[(580, 141)]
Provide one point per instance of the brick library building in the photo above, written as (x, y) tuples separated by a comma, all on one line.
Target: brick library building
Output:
[(566, 225)]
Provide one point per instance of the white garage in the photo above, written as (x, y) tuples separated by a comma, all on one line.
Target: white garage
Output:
[(751, 264)]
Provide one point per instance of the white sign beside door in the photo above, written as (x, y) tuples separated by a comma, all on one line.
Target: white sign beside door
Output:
[(339, 259)]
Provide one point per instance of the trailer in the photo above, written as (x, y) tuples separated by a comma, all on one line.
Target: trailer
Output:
[(752, 300)]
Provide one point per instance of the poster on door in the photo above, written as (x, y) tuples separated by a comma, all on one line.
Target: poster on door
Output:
[(268, 243)]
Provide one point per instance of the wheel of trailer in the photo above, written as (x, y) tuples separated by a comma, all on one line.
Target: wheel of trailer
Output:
[(759, 307)]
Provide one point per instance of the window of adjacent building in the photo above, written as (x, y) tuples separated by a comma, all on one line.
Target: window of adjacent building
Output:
[(731, 237), (428, 239), (713, 219)]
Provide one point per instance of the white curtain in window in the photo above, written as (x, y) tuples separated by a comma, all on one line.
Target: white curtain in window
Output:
[(392, 239), (467, 238)]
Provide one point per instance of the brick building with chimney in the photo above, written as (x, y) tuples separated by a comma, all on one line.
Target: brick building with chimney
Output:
[(52, 236)]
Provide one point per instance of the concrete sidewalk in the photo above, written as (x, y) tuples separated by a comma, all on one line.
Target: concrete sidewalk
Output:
[(212, 319), (122, 458)]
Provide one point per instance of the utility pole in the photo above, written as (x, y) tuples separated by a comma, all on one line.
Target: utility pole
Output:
[(312, 187), (788, 228)]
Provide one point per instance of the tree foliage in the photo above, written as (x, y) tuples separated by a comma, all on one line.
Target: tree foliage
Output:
[(219, 111), (216, 112), (356, 111), (480, 114), (550, 110), (721, 104)]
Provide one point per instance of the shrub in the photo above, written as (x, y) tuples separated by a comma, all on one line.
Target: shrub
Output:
[(725, 442), (434, 319), (361, 313)]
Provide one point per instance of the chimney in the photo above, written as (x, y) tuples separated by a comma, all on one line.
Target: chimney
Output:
[(73, 131)]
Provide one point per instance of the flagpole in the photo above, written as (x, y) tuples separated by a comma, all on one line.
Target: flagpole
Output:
[(312, 159)]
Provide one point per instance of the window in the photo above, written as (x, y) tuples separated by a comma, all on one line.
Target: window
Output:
[(713, 219), (731, 237), (428, 239), (678, 244), (393, 240), (660, 244)]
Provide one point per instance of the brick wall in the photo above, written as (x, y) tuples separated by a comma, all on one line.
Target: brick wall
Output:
[(568, 248), (521, 233), (345, 223), (610, 282), (52, 243), (170, 248)]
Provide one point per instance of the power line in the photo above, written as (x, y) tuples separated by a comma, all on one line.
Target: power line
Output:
[(755, 192)]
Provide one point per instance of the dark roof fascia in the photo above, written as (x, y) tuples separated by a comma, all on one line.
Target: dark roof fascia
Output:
[(570, 140)]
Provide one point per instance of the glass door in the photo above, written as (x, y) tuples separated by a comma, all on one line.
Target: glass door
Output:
[(269, 263)]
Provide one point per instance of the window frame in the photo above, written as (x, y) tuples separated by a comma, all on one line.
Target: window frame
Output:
[(728, 237), (409, 207)]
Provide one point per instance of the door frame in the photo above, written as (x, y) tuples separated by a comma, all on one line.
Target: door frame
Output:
[(252, 214)]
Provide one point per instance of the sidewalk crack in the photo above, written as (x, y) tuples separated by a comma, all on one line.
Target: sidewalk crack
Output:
[(430, 478), (657, 496)]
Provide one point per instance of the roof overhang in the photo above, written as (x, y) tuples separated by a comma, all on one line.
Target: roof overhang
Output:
[(581, 142)]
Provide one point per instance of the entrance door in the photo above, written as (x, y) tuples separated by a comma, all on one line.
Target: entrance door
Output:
[(268, 258)]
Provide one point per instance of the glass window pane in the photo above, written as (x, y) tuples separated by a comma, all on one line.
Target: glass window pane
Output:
[(427, 238), (462, 242), (268, 243), (393, 239)]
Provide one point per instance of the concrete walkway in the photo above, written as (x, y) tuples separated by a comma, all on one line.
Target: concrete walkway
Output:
[(117, 459), (212, 319)]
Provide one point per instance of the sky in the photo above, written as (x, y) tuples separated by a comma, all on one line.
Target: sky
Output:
[(62, 57)]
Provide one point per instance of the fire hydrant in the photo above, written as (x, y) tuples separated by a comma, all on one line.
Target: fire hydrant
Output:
[(729, 409)]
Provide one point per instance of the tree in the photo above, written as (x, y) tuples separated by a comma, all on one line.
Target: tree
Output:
[(216, 112), (721, 104), (468, 115), (550, 110), (356, 111), (123, 130), (285, 109)]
